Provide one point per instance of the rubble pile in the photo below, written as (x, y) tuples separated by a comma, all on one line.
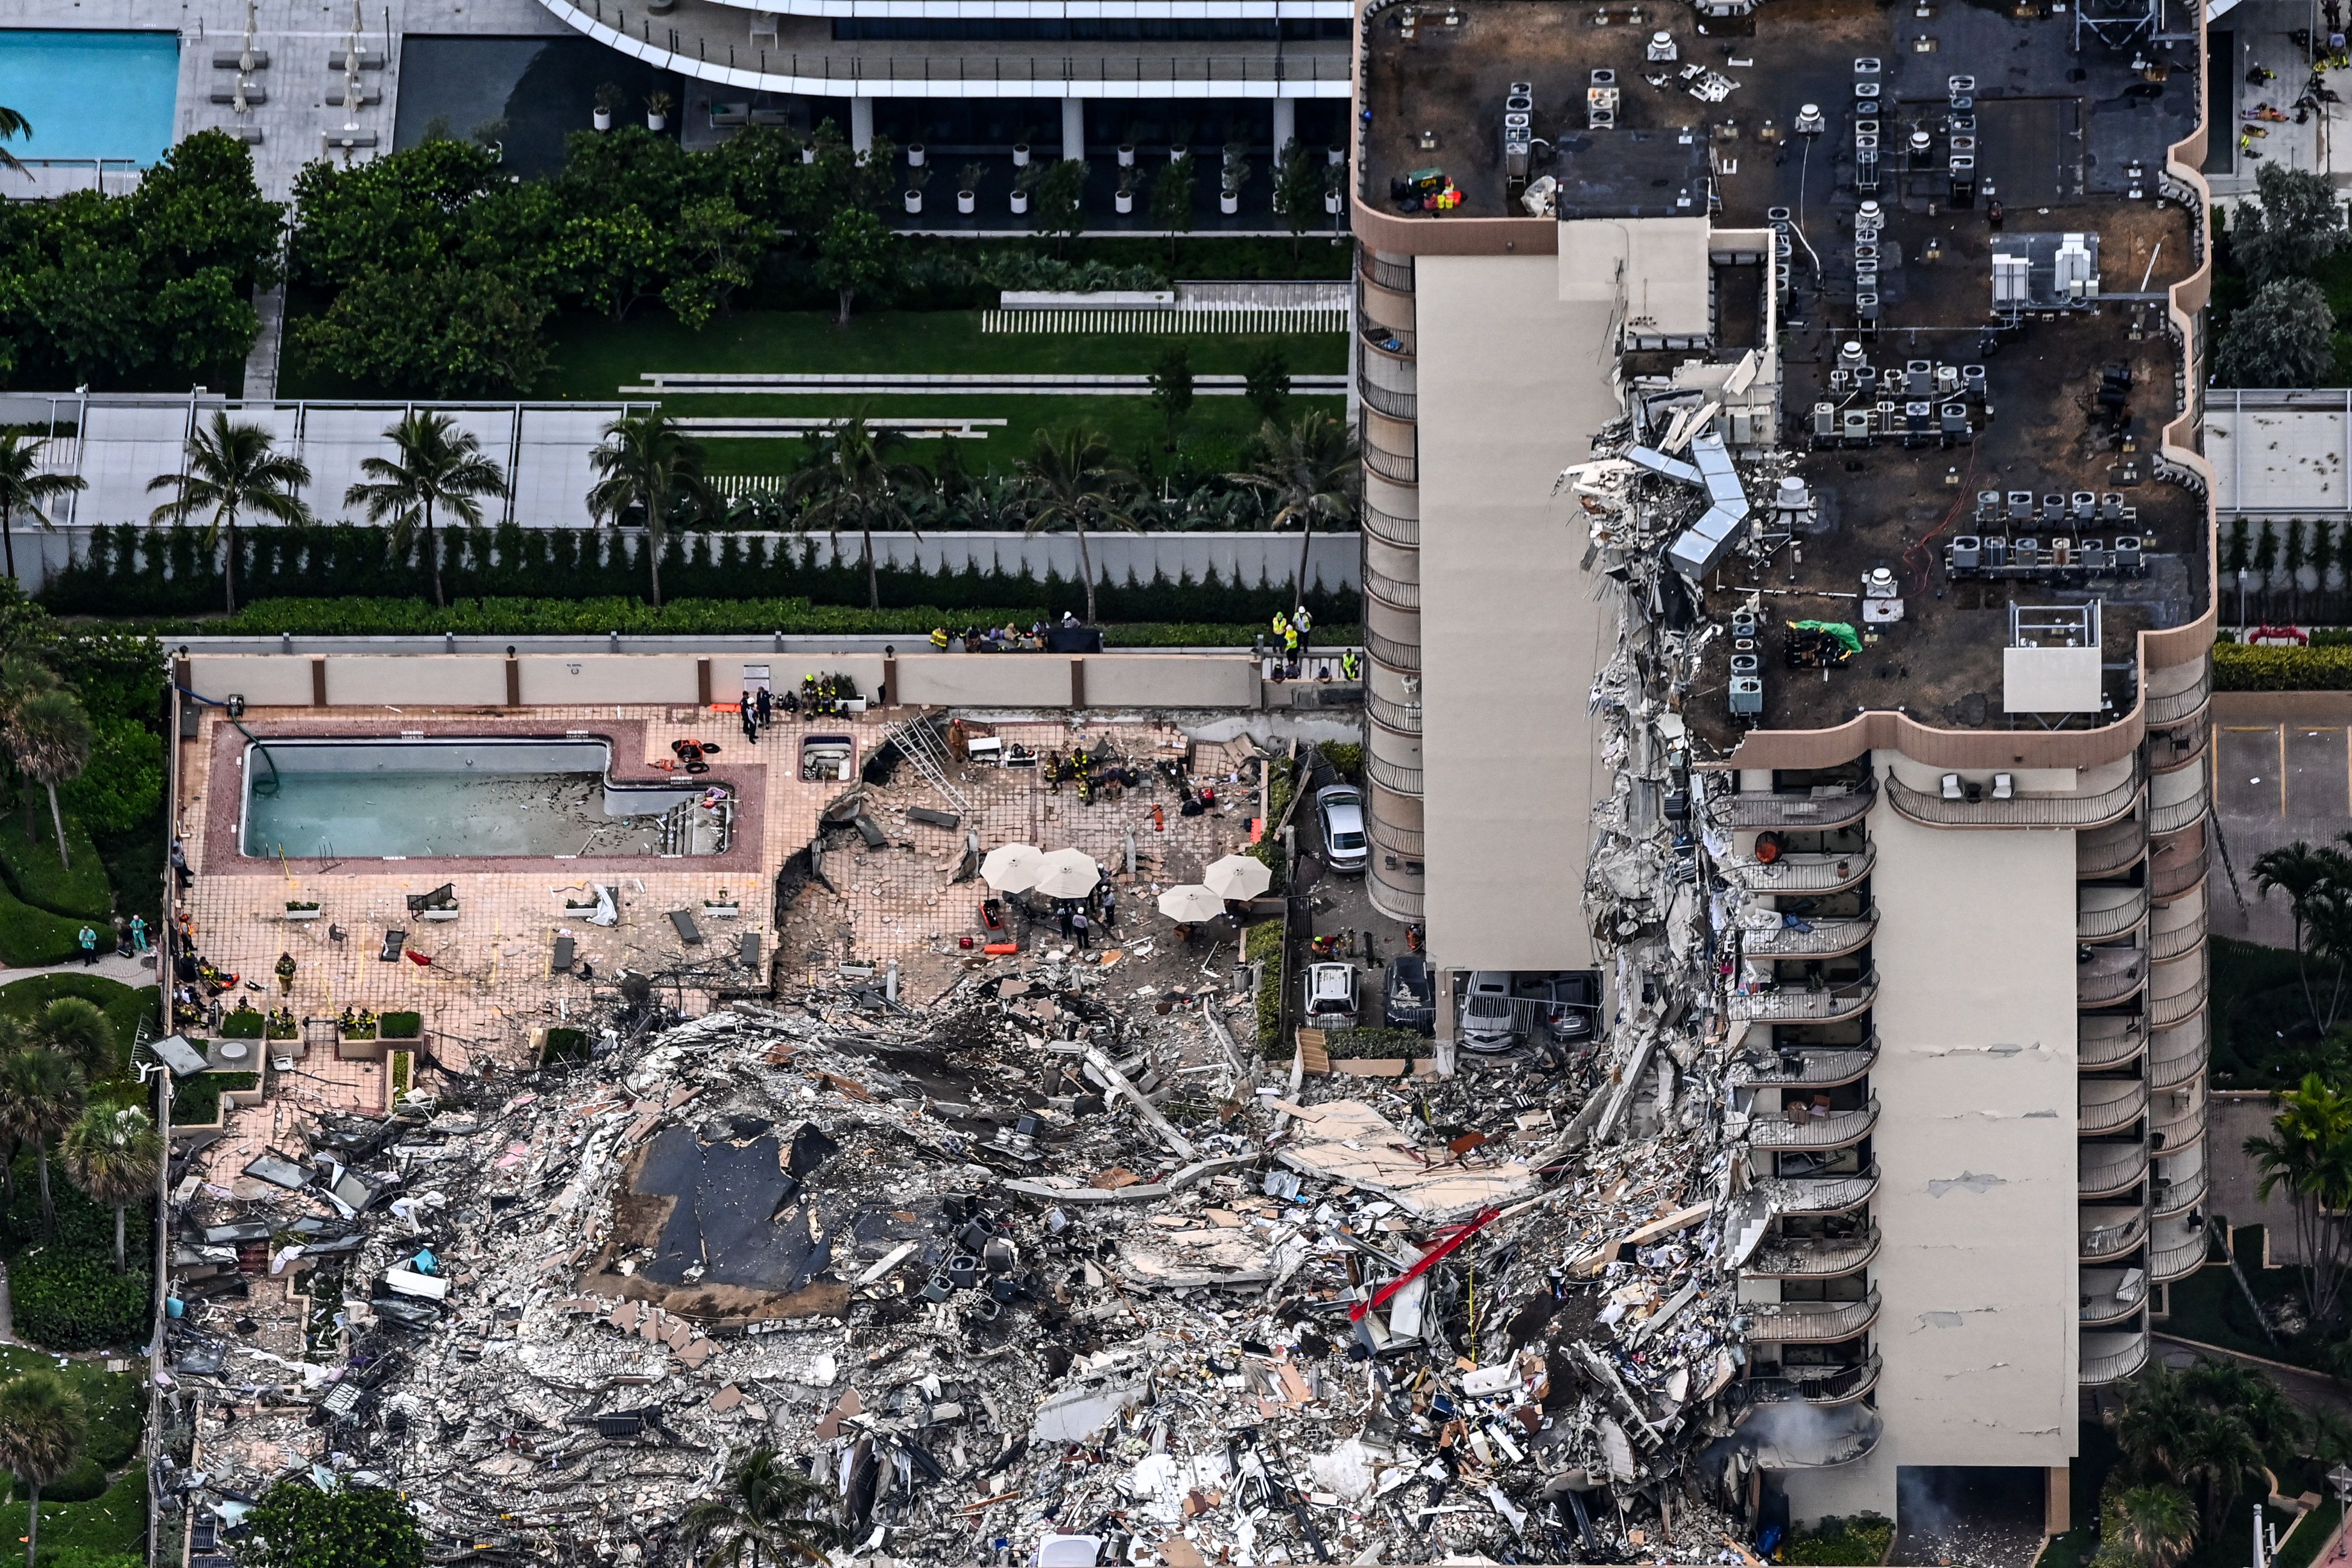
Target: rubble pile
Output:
[(1037, 1272)]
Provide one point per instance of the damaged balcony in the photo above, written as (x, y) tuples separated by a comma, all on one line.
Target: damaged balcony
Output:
[(1811, 1256), (1822, 808), (2111, 1295), (2109, 976), (1829, 1004), (2107, 1170), (1801, 1437), (2103, 914), (2107, 1232), (1801, 1126), (2111, 1357), (2179, 1184), (1799, 937), (1841, 1384), (1807, 873), (2108, 1105), (1809, 1067), (2107, 1041), (2109, 851), (1819, 1194), (1810, 1322), (2175, 1248), (1996, 803)]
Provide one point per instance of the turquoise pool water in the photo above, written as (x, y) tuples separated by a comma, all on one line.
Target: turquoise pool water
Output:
[(91, 95)]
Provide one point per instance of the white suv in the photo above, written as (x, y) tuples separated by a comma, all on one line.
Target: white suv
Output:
[(1331, 996)]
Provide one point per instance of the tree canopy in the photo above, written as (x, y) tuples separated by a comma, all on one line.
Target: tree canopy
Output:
[(296, 1525)]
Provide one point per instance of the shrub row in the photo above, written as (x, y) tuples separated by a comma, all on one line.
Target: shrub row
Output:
[(2237, 667), (69, 1297), (137, 571)]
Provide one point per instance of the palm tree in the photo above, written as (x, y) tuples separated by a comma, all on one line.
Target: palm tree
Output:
[(2156, 1411), (649, 465), (2155, 1524), (438, 466), (13, 124), (2305, 876), (1309, 468), (43, 1429), (22, 487), (114, 1155), (1073, 483), (853, 477), (78, 1028), (49, 736), (764, 1515), (2276, 1423), (41, 1097), (2309, 1152), (232, 469), (2218, 1455)]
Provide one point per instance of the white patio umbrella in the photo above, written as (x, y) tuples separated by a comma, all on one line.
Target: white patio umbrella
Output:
[(1189, 904), (1238, 876), (1067, 874), (1011, 867)]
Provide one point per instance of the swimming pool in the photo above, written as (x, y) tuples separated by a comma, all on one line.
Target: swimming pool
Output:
[(459, 798), (91, 94)]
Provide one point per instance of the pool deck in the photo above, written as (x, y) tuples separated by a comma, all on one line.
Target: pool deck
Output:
[(489, 985)]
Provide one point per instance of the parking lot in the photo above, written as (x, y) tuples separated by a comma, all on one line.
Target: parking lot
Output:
[(2282, 770)]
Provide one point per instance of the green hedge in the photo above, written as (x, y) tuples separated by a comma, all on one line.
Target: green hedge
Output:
[(1861, 1541), (31, 938), (1261, 943), (198, 1102), (2321, 667), (243, 1024), (78, 888), (400, 1026), (63, 1288), (1375, 1044), (133, 571)]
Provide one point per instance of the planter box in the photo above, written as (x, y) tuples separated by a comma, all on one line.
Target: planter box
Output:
[(299, 915), (351, 1050), (436, 914), (723, 911)]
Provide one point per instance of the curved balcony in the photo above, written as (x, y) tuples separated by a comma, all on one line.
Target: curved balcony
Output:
[(2109, 1295), (2185, 995), (1386, 400), (1390, 776), (1810, 1322), (2177, 1056), (2171, 750), (2180, 707), (1391, 590), (2105, 1170), (2018, 810), (1807, 1067), (1396, 277), (2105, 1044), (1816, 939), (1390, 894), (1808, 1258), (2106, 1105), (2181, 941), (1814, 1385), (1403, 531), (1405, 841), (1381, 338), (1823, 808), (1801, 1437), (2110, 975), (2105, 1232), (2176, 1249), (2185, 810), (2179, 1184), (1829, 1005), (1403, 717), (1802, 873), (2177, 1118), (1819, 1194), (2111, 1357), (1398, 468), (2109, 851), (1800, 1129), (1396, 655), (2102, 914), (2177, 867)]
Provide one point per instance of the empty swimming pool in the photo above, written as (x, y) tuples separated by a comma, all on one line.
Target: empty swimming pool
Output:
[(91, 94), (459, 798)]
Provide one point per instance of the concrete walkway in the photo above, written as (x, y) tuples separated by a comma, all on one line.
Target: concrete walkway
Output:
[(129, 971)]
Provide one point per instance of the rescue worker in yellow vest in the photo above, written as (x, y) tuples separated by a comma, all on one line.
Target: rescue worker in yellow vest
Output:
[(939, 639), (1290, 644), (1350, 667), (1281, 626)]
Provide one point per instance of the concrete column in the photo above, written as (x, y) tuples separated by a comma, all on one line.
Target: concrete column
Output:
[(1074, 128), (1285, 123), (861, 125)]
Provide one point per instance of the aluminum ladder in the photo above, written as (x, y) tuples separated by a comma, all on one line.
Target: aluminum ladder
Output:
[(919, 743)]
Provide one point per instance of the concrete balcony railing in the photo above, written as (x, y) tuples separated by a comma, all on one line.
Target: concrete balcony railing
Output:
[(2181, 941), (2178, 1185), (1991, 809), (2111, 1357), (2104, 1169), (2110, 975), (2103, 914), (1388, 650), (1821, 809), (2106, 1044), (1810, 1322), (1807, 1257), (1816, 938), (2108, 1105), (1802, 873), (1392, 776), (2176, 1249), (1815, 1385), (2109, 1295), (1404, 718), (1819, 1194), (1403, 531), (1804, 1130), (1832, 1004), (2180, 707), (2176, 995), (2109, 851), (1810, 1067), (2177, 1056), (2107, 1232), (1391, 590)]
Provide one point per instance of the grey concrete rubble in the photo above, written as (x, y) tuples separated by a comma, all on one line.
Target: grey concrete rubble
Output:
[(1050, 1268)]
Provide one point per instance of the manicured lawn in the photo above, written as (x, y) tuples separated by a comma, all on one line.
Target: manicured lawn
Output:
[(79, 888), (30, 938), (116, 1522), (116, 1519), (125, 1006)]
